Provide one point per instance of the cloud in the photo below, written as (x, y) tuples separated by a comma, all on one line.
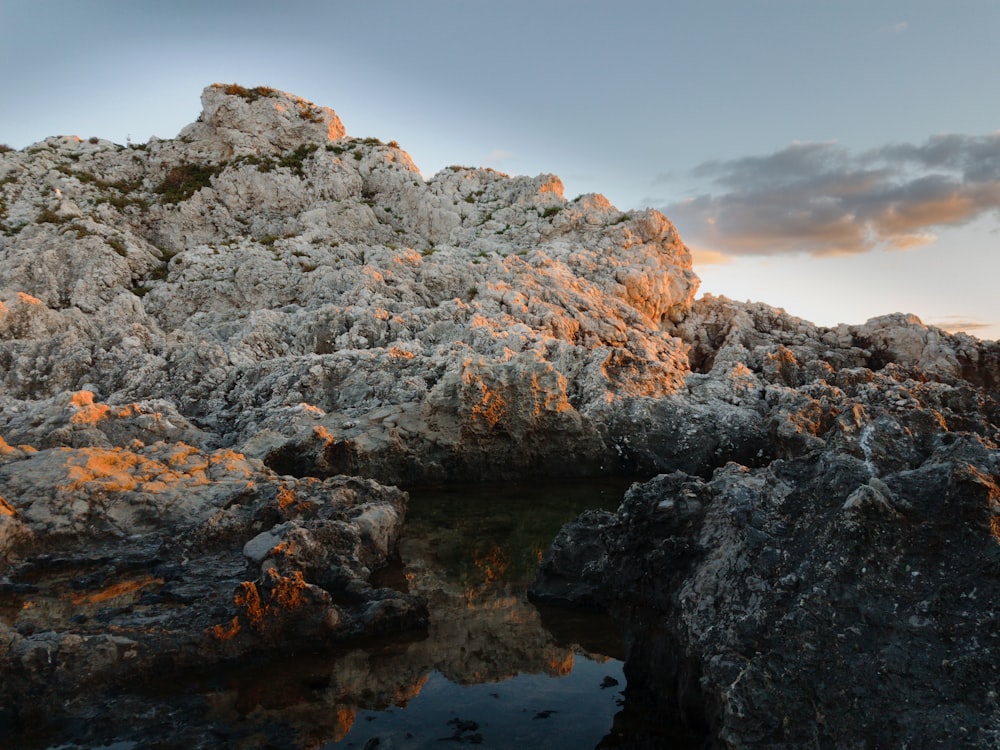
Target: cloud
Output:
[(704, 257), (898, 28), (954, 324), (821, 199)]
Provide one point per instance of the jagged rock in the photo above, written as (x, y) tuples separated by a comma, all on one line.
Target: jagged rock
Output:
[(839, 595), (200, 336), (259, 120), (148, 543), (263, 262)]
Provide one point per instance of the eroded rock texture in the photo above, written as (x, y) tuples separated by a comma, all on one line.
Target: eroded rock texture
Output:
[(202, 338), (840, 589), (309, 299)]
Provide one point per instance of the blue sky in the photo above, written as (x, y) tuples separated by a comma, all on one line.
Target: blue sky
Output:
[(840, 159)]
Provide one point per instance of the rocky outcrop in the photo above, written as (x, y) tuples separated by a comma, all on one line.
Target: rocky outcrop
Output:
[(838, 588), (118, 560), (201, 339), (272, 279)]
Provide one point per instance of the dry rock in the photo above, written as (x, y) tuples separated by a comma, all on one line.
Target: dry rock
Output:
[(206, 342)]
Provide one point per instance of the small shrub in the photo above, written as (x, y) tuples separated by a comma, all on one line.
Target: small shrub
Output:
[(263, 163), (393, 144), (296, 159), (427, 251), (4, 148), (471, 292), (94, 140), (118, 245), (470, 199), (250, 95), (358, 156), (185, 180), (121, 202), (338, 150), (48, 216), (122, 186), (310, 114), (140, 291), (160, 273), (166, 255), (551, 211)]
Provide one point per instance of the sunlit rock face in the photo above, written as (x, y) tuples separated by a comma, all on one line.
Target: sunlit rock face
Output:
[(199, 338), (272, 280), (120, 558), (202, 337)]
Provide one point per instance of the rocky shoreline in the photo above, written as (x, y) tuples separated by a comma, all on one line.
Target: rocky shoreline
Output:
[(840, 591), (218, 352)]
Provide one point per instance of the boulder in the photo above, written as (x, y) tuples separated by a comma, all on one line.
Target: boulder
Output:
[(835, 589)]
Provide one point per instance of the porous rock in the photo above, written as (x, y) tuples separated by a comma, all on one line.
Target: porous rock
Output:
[(201, 336), (838, 588)]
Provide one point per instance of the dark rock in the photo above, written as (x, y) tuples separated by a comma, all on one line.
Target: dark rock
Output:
[(840, 589), (844, 635)]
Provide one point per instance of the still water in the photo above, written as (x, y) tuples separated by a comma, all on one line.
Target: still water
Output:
[(494, 669), (491, 670)]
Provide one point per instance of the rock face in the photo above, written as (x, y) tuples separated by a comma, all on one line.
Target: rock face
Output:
[(201, 338), (120, 560), (309, 299), (841, 588)]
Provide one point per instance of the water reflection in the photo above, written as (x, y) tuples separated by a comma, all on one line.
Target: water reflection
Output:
[(491, 669)]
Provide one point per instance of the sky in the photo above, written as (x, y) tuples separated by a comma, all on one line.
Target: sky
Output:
[(836, 158)]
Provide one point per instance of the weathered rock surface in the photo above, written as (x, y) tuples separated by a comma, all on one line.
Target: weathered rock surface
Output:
[(119, 560), (265, 288), (274, 280), (839, 589), (201, 337)]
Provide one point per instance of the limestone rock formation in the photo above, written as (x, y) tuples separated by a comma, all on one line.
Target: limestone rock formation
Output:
[(202, 338), (272, 280), (838, 588), (118, 559)]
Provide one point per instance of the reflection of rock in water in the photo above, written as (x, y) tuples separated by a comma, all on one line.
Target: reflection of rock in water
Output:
[(472, 566), (318, 698), (488, 634), (482, 630), (479, 633)]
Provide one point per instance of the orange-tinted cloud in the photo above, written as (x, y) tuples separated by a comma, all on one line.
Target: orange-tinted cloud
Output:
[(818, 198), (954, 325)]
